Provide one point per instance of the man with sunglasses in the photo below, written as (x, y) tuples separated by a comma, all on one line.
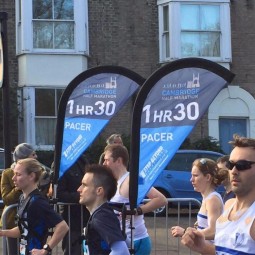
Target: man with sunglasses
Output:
[(235, 228)]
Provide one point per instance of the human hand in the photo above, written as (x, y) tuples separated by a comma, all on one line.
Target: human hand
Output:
[(177, 231), (38, 252), (193, 239)]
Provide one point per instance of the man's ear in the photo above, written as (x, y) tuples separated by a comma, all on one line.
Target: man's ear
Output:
[(119, 160), (99, 190)]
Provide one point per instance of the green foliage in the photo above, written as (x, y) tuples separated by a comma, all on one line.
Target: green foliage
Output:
[(186, 145), (207, 143)]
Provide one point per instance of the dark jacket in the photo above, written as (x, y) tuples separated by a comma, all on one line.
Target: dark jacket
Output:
[(67, 193)]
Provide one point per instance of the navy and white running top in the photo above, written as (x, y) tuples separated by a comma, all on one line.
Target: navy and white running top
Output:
[(202, 219), (233, 237)]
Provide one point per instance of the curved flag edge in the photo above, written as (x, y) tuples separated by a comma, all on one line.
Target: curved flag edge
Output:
[(138, 107), (65, 96)]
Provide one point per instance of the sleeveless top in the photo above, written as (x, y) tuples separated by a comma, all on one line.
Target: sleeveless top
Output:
[(202, 219), (233, 237), (140, 230)]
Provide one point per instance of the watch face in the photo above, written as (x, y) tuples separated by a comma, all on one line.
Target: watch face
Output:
[(47, 247)]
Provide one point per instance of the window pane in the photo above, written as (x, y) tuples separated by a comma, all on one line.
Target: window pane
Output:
[(43, 35), (49, 34), (45, 131), (200, 44), (64, 35), (45, 102), (42, 9), (200, 17), (166, 42), (190, 44), (2, 166), (210, 45), (63, 9), (166, 18), (190, 17), (178, 163), (200, 30), (210, 17), (166, 39)]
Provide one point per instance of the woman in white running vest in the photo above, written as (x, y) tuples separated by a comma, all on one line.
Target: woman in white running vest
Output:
[(205, 179), (235, 228)]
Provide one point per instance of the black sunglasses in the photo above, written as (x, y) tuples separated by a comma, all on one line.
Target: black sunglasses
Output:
[(240, 165)]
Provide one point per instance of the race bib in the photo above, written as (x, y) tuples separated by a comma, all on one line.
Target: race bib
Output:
[(85, 248), (22, 247), (84, 244)]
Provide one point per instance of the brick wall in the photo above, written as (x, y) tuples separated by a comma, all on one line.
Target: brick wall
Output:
[(243, 41), (125, 33)]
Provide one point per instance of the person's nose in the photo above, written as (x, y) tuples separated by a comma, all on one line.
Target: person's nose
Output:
[(234, 171)]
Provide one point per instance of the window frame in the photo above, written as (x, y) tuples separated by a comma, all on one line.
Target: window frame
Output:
[(24, 29), (175, 31), (27, 118), (35, 117)]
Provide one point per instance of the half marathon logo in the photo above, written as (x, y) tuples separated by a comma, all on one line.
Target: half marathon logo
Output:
[(102, 90), (180, 91)]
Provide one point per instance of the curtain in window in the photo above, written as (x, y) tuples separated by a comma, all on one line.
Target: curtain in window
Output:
[(200, 30), (45, 131)]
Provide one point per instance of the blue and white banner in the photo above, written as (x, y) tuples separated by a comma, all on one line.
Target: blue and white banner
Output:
[(170, 103), (86, 107)]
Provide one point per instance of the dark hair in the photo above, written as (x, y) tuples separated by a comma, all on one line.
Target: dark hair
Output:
[(223, 159), (32, 166), (103, 177), (223, 174), (209, 166), (240, 141), (118, 151)]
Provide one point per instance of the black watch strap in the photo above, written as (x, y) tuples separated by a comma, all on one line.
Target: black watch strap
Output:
[(47, 248), (139, 210)]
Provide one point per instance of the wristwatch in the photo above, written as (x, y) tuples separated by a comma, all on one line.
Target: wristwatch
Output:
[(47, 248), (139, 211)]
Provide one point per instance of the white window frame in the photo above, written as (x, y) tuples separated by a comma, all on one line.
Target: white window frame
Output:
[(24, 29), (27, 107), (175, 29)]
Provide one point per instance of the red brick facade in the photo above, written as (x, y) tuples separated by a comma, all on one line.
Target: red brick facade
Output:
[(125, 33)]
